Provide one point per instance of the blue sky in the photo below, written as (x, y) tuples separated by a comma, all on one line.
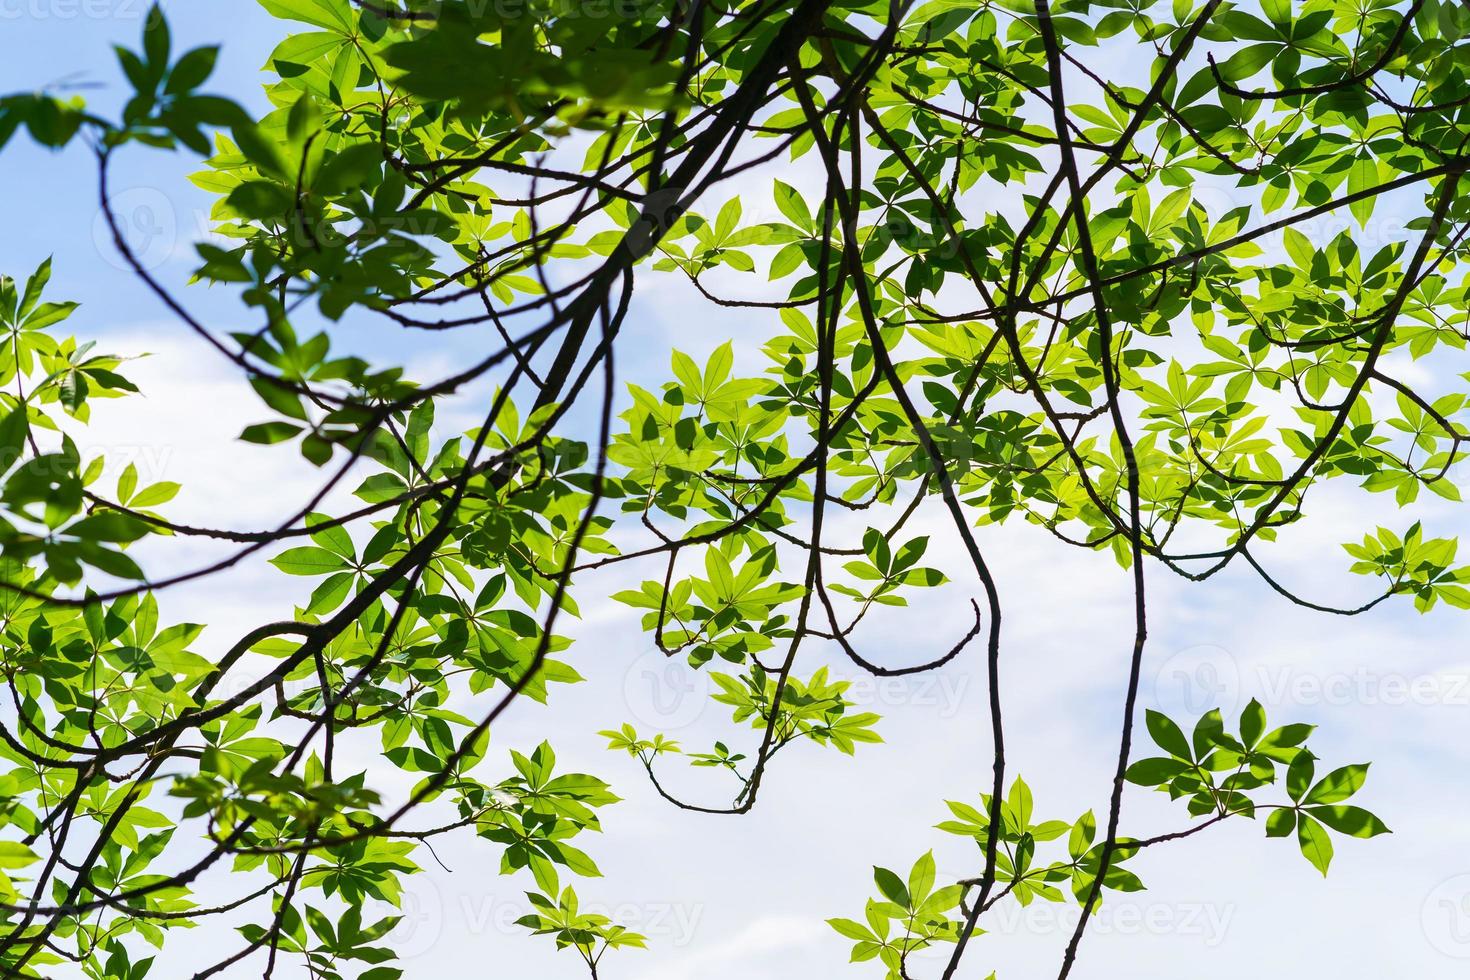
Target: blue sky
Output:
[(50, 206), (741, 898)]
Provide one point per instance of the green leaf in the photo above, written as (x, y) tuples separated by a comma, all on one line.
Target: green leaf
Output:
[(891, 887), (47, 314), (192, 70), (790, 203), (1278, 10), (1299, 247), (332, 14), (1280, 823), (34, 287), (1299, 774), (849, 929), (1248, 61), (334, 537), (308, 561), (1167, 735), (1252, 723), (152, 496), (15, 855), (1315, 843), (921, 878), (1361, 177), (267, 433), (1351, 820), (260, 200), (1338, 785), (156, 37), (1152, 772)]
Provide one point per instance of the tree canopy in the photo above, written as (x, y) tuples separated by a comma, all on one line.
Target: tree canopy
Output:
[(1139, 275)]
